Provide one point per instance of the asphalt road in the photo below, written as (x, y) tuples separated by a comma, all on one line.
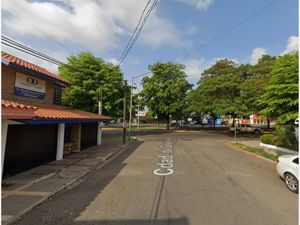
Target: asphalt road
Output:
[(211, 184)]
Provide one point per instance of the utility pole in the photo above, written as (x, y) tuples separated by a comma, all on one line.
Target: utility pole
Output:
[(138, 121), (99, 132), (130, 109), (124, 112), (131, 94)]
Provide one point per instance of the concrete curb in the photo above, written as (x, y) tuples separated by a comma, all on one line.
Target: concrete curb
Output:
[(229, 144), (273, 147), (107, 161)]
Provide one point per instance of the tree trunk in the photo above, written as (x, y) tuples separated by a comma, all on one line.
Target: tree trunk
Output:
[(268, 123)]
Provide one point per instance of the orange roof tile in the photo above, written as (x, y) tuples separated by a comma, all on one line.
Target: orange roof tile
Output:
[(66, 113), (47, 112), (11, 104), (20, 62)]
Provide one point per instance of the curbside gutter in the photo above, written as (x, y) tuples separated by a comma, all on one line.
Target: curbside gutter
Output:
[(37, 203)]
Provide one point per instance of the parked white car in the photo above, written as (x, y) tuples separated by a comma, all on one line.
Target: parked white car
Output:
[(287, 168)]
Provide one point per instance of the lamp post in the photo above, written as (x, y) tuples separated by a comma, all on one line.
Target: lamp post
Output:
[(124, 113), (99, 133), (131, 96)]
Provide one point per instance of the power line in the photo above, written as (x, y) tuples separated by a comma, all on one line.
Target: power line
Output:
[(237, 25), (137, 31), (18, 46), (22, 50), (14, 44), (30, 23)]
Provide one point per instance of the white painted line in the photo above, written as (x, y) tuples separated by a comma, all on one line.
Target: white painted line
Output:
[(166, 160)]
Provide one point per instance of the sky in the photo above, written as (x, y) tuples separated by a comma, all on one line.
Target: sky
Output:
[(195, 33)]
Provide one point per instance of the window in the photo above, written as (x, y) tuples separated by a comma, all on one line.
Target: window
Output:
[(296, 161), (57, 92)]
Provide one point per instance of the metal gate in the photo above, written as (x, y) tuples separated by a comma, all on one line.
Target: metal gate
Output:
[(88, 135), (28, 146)]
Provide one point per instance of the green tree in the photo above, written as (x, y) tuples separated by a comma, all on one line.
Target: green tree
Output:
[(221, 67), (254, 84), (165, 91), (281, 96), (87, 73), (218, 91)]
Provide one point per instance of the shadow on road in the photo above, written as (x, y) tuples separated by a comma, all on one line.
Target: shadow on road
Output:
[(179, 221), (69, 204)]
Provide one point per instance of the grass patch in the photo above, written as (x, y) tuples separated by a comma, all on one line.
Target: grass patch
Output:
[(257, 151)]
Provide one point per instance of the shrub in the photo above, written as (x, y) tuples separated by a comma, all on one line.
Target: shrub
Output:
[(267, 138), (284, 137)]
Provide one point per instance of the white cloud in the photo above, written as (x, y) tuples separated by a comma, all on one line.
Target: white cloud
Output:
[(292, 45), (257, 53), (199, 4), (159, 31), (97, 24), (194, 68), (113, 61)]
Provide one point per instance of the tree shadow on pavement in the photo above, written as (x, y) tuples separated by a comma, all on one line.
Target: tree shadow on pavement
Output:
[(178, 221), (68, 204)]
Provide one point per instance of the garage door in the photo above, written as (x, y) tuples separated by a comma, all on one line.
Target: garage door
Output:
[(88, 135), (28, 146)]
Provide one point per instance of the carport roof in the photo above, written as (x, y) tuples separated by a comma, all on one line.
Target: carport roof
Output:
[(47, 114)]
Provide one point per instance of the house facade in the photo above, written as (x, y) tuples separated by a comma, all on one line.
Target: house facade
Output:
[(36, 129)]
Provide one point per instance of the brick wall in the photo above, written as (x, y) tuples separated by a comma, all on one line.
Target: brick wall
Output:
[(8, 77)]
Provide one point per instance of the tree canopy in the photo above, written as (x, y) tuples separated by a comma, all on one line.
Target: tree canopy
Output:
[(164, 93), (281, 96), (87, 73), (254, 84), (218, 90), (269, 87)]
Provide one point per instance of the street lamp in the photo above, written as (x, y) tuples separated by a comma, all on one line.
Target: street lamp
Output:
[(99, 132), (131, 95)]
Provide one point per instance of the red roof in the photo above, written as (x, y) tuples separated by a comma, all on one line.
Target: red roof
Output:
[(14, 110), (20, 62)]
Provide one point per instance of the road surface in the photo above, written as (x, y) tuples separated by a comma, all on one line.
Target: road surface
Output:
[(209, 183)]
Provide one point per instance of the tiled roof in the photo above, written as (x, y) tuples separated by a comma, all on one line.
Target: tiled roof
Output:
[(11, 104), (20, 62), (66, 113), (47, 112)]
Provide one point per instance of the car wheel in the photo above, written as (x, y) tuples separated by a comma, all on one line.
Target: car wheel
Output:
[(291, 182), (256, 132)]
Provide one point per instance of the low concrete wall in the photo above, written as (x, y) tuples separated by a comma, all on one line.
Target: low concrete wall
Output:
[(278, 150)]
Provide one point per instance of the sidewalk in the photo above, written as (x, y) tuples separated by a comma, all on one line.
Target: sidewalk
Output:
[(24, 191)]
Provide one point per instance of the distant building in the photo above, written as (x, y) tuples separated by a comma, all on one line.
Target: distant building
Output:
[(36, 129)]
